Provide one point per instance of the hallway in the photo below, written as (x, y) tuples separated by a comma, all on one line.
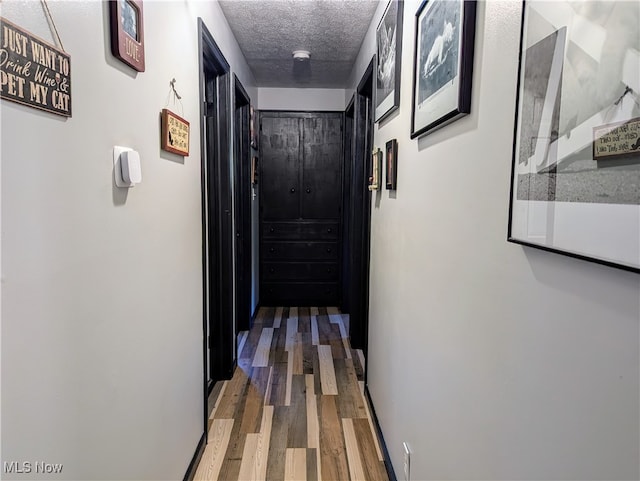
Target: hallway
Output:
[(295, 408)]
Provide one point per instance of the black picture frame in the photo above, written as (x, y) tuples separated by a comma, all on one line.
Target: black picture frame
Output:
[(442, 63), (389, 60), (569, 194), (391, 152)]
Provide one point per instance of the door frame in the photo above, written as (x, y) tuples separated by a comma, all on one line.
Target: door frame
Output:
[(348, 141), (217, 219), (242, 206), (360, 210)]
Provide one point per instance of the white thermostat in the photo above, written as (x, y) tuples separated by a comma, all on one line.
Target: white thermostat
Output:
[(126, 166)]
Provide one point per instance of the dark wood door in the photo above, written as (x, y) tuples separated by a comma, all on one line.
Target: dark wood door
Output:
[(217, 222), (360, 215), (301, 204), (280, 172), (242, 207), (346, 203), (322, 168)]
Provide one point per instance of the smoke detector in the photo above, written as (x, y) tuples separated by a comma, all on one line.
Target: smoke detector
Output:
[(301, 55)]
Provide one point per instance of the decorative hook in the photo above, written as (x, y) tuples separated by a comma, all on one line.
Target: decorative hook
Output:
[(173, 87), (626, 91)]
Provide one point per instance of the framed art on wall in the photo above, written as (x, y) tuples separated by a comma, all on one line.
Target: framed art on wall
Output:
[(392, 164), (443, 63), (376, 170), (127, 32), (28, 82), (389, 46), (174, 133), (576, 155)]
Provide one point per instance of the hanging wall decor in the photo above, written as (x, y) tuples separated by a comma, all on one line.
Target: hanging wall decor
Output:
[(174, 130), (389, 44), (175, 133), (392, 164), (34, 72), (376, 170), (576, 154), (443, 63), (127, 32)]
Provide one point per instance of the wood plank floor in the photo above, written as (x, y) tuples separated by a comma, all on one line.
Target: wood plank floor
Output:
[(294, 409)]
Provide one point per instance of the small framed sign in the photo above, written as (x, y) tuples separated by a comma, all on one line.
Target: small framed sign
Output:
[(621, 139), (376, 170), (175, 133), (33, 72), (127, 32)]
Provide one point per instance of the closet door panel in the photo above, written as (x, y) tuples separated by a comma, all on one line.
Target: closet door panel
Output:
[(280, 168), (322, 167)]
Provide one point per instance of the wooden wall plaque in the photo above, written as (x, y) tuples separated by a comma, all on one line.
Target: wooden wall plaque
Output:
[(175, 133), (33, 72), (127, 32)]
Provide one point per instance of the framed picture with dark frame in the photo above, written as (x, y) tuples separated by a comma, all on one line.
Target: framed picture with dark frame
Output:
[(392, 163), (127, 32), (443, 63), (389, 46), (576, 150)]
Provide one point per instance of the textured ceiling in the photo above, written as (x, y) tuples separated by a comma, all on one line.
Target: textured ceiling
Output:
[(268, 31)]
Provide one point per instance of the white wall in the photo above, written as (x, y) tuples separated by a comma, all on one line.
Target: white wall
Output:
[(492, 360), (301, 99), (102, 287)]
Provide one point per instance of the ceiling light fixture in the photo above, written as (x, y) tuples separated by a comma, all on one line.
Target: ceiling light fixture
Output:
[(301, 55)]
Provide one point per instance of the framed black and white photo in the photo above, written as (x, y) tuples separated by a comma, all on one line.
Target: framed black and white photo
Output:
[(443, 63), (389, 45), (576, 155)]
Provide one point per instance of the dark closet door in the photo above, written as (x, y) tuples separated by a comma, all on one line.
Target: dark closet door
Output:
[(300, 201), (280, 145), (322, 168)]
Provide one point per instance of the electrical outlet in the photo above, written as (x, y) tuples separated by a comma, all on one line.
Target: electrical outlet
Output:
[(407, 462)]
